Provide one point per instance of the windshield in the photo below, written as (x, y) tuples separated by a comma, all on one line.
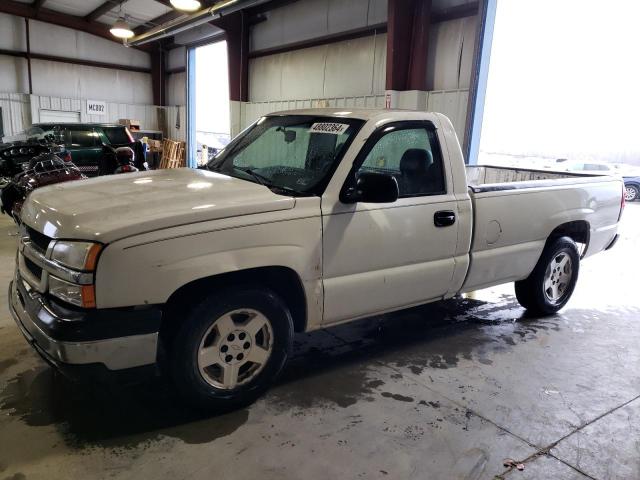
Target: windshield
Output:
[(296, 153), (46, 134)]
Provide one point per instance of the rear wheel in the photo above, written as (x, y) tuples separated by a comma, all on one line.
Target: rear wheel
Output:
[(631, 193), (553, 279), (231, 348)]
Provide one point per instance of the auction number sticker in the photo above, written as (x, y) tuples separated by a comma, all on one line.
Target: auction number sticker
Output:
[(326, 127)]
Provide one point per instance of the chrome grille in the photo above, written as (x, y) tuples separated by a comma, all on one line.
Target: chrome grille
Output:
[(35, 270), (40, 240)]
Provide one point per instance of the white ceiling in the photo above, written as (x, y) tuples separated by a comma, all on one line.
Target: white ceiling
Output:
[(137, 11)]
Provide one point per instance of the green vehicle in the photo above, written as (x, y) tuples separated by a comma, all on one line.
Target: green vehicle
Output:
[(83, 141)]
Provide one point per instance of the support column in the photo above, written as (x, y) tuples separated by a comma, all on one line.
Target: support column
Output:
[(407, 51), (159, 74), (237, 30), (28, 35)]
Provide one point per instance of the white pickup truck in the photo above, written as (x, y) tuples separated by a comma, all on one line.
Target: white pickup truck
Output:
[(307, 219)]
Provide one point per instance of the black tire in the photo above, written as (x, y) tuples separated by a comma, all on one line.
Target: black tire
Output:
[(530, 292), (635, 195), (183, 356)]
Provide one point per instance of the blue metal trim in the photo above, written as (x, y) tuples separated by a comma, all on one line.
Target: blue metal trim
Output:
[(481, 85)]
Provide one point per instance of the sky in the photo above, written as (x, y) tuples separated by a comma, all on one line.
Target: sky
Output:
[(564, 80), (212, 88)]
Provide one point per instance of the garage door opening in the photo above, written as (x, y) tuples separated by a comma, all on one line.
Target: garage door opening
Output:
[(562, 87), (209, 115)]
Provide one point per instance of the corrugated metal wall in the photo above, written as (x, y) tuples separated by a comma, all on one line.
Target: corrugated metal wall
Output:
[(453, 103), (349, 68), (63, 79), (310, 19), (19, 111), (147, 114), (16, 112)]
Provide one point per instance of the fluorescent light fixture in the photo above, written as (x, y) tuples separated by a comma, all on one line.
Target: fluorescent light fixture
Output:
[(121, 29), (186, 5)]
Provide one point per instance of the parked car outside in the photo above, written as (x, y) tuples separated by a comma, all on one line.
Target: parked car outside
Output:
[(84, 141), (631, 188), (599, 168)]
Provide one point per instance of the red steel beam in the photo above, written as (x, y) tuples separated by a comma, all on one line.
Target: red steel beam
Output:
[(407, 44), (74, 61), (236, 27)]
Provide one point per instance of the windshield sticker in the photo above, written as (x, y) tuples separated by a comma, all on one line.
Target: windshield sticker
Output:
[(333, 128)]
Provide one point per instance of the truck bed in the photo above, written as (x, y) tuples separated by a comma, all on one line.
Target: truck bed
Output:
[(488, 178), (515, 211)]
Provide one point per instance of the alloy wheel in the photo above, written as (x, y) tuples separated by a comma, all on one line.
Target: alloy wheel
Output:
[(558, 277), (235, 348)]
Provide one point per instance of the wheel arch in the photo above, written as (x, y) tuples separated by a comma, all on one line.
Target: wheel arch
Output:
[(282, 280), (577, 230)]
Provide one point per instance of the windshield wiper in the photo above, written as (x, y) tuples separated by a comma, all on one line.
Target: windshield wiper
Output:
[(261, 179), (265, 181)]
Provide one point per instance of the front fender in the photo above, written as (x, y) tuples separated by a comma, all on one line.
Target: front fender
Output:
[(131, 274)]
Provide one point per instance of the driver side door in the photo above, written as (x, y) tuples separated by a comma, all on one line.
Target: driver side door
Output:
[(380, 257)]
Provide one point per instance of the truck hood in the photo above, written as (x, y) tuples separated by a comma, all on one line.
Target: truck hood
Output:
[(118, 206)]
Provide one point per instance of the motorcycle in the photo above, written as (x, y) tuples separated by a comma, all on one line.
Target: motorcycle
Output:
[(42, 170), (48, 169), (116, 160)]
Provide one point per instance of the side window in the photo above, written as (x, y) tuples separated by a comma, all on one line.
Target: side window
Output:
[(81, 138), (412, 157)]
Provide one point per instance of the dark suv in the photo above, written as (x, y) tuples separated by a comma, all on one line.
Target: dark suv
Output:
[(84, 141)]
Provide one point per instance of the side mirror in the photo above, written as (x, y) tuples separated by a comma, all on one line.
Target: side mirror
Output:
[(373, 188)]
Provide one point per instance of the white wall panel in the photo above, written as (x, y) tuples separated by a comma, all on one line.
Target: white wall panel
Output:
[(60, 41), (453, 103), (173, 114), (12, 33), (177, 58), (469, 32), (377, 12), (16, 112), (265, 77), (79, 81), (147, 114), (303, 73), (342, 16), (349, 68), (309, 19), (13, 74), (451, 54), (66, 80), (177, 89)]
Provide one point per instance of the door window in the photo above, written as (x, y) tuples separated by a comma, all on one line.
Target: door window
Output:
[(81, 138), (412, 156)]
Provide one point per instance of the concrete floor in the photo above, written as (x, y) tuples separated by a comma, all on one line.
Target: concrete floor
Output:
[(446, 391)]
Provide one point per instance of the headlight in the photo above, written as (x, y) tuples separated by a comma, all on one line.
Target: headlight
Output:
[(76, 255), (80, 295)]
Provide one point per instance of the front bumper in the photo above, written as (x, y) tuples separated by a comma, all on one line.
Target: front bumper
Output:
[(110, 339)]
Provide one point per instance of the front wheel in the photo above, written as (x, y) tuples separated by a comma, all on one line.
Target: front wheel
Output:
[(553, 279), (631, 193), (231, 348)]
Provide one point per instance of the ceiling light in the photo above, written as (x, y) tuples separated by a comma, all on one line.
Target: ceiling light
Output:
[(186, 5), (121, 29)]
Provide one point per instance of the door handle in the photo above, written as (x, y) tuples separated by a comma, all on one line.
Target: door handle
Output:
[(444, 218)]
